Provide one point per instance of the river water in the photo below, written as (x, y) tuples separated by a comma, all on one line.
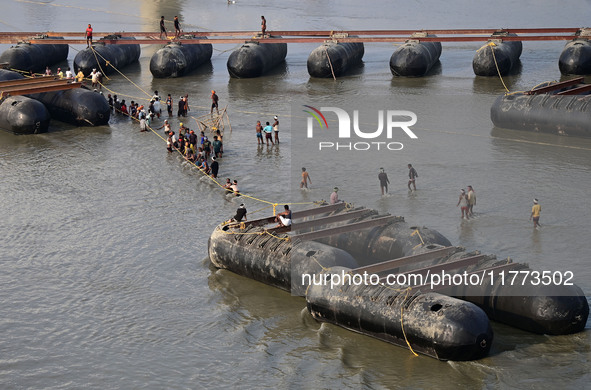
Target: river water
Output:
[(105, 281)]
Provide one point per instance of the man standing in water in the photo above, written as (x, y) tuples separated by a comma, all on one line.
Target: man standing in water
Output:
[(259, 130), (412, 175), (268, 133), (535, 213), (215, 167), (383, 178), (214, 103), (181, 110), (463, 203), (276, 128), (471, 199), (305, 179), (162, 28)]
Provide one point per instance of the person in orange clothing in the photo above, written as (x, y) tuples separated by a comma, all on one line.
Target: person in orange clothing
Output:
[(89, 36)]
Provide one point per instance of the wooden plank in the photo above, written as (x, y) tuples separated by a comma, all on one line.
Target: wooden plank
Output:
[(382, 221), (395, 263), (556, 86), (576, 91)]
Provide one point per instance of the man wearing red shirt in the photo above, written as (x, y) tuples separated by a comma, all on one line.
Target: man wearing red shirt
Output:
[(89, 36)]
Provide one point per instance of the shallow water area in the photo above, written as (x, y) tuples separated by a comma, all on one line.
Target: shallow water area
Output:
[(105, 278)]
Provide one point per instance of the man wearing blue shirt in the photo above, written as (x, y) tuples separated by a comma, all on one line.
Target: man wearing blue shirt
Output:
[(268, 130)]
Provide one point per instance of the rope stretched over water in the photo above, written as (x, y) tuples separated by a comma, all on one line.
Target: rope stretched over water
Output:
[(274, 204)]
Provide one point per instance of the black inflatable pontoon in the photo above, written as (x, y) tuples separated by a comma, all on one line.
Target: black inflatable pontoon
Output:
[(334, 59), (177, 59), (118, 56), (558, 108), (504, 54), (254, 59), (33, 57), (415, 58)]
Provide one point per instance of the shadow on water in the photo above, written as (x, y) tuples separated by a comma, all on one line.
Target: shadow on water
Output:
[(282, 70), (203, 73), (529, 141), (415, 84), (134, 68), (254, 89), (354, 71), (492, 84)]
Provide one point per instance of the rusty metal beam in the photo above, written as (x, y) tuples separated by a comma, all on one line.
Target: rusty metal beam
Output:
[(331, 219), (29, 81), (297, 226), (447, 266), (318, 210), (381, 221), (151, 41), (556, 86), (560, 30), (485, 271), (23, 90), (298, 214), (395, 263)]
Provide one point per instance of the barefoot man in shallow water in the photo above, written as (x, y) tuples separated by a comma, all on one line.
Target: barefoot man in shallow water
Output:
[(383, 178), (412, 176), (463, 203), (535, 213), (305, 179)]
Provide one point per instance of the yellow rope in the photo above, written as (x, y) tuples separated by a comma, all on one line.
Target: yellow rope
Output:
[(94, 52), (118, 71), (279, 238), (419, 233), (491, 44), (330, 63), (402, 322)]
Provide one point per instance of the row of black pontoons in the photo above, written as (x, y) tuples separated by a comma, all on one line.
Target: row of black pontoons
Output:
[(414, 58), (555, 113)]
